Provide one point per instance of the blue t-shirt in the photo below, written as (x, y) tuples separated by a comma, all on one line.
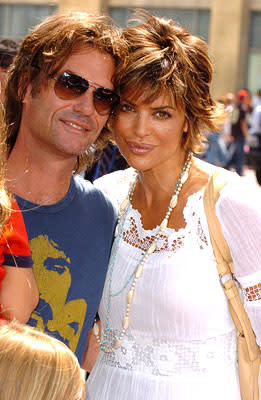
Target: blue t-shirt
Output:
[(70, 243)]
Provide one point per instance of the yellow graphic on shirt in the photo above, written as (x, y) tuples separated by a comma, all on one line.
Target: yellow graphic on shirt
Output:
[(53, 278)]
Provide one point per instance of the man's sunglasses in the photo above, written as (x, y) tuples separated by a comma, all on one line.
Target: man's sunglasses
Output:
[(68, 86)]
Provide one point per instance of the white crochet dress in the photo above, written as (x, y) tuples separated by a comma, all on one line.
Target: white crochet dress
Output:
[(181, 343)]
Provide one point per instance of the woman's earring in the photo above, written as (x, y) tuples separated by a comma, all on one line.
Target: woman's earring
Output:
[(185, 138)]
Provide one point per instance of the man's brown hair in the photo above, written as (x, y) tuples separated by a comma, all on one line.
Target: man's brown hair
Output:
[(42, 54)]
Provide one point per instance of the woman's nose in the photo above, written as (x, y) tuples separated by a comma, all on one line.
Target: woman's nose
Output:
[(141, 126)]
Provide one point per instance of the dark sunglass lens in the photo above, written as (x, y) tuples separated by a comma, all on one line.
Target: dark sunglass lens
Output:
[(69, 86), (104, 100)]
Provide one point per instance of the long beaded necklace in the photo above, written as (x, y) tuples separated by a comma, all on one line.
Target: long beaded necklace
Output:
[(124, 208)]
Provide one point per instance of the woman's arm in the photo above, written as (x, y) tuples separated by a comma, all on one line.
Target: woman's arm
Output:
[(239, 214)]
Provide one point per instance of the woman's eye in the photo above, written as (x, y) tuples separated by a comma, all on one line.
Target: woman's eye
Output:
[(162, 115), (126, 107)]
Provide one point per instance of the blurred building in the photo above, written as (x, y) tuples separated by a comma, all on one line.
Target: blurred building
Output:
[(232, 29)]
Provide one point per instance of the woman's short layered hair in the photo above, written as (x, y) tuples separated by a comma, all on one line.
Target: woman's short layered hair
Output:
[(45, 50), (35, 366), (164, 58)]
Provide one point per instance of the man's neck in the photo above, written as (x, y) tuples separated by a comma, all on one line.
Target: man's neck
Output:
[(37, 180)]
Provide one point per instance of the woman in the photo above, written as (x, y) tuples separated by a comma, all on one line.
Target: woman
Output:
[(166, 329), (35, 366)]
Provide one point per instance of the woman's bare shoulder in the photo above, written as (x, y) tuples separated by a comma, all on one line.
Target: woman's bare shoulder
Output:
[(116, 184)]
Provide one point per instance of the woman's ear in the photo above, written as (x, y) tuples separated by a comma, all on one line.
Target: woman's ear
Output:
[(185, 126), (185, 136)]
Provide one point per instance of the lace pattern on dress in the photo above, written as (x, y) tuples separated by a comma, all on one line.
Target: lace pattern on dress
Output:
[(252, 293), (131, 236), (164, 358), (171, 240)]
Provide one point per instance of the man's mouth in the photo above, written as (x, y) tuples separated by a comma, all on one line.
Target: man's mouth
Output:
[(73, 125)]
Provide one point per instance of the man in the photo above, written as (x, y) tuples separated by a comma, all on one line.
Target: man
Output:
[(59, 97), (239, 132), (256, 100), (256, 121), (8, 49)]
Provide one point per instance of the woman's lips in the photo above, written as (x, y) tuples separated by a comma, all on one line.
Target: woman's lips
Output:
[(138, 148)]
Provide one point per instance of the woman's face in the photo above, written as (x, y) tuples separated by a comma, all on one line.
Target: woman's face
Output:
[(149, 135)]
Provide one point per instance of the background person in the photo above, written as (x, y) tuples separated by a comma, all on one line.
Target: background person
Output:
[(35, 366), (18, 289), (256, 100), (239, 132), (167, 332), (8, 50), (59, 96)]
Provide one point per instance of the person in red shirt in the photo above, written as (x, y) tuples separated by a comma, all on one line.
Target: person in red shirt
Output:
[(18, 290)]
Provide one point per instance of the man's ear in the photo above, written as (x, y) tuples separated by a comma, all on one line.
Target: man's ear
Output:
[(24, 87), (27, 93)]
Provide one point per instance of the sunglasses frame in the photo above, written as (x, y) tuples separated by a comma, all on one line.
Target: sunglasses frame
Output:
[(86, 84)]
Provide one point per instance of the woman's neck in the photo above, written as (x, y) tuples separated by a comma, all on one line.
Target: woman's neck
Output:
[(157, 185)]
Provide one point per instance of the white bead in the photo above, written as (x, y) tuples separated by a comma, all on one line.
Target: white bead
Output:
[(108, 350), (164, 225), (124, 204), (116, 230), (130, 296), (173, 201), (184, 177), (152, 248), (95, 329), (139, 271), (125, 322), (117, 343)]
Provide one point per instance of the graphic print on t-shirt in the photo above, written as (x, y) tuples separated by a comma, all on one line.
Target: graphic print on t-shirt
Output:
[(64, 318)]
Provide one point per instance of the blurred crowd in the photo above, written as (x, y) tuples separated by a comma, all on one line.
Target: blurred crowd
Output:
[(228, 147), (8, 49)]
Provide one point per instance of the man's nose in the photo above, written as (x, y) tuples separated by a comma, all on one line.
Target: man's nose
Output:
[(84, 103)]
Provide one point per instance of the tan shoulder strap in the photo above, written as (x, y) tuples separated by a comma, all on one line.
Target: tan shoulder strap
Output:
[(224, 262), (220, 247)]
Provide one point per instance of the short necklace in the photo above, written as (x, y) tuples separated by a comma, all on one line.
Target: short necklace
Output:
[(124, 208)]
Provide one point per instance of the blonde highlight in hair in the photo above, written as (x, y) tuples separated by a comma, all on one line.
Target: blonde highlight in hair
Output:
[(164, 58), (5, 197), (35, 366)]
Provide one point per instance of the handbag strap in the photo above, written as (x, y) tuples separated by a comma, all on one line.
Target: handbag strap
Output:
[(224, 261)]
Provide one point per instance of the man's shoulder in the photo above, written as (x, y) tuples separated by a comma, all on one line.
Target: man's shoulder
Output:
[(89, 194), (85, 188)]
